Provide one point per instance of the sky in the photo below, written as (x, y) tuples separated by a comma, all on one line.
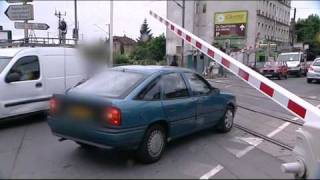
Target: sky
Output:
[(128, 16)]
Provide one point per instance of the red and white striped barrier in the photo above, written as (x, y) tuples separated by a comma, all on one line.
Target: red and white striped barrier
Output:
[(278, 94)]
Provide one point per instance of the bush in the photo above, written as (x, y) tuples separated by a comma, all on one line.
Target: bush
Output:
[(121, 59)]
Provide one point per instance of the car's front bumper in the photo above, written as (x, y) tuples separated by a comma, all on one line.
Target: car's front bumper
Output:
[(97, 136), (294, 70), (313, 75), (271, 74)]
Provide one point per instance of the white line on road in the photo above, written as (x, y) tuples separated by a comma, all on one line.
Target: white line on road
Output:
[(213, 172), (270, 135), (227, 86), (280, 128)]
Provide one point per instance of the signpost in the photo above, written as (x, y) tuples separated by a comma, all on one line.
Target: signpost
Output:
[(18, 1), (33, 26), (230, 24), (20, 12)]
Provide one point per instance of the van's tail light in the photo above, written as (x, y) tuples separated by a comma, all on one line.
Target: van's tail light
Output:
[(53, 105), (113, 116)]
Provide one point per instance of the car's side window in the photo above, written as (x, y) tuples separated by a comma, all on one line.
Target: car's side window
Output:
[(25, 69), (197, 84), (174, 86), (152, 91)]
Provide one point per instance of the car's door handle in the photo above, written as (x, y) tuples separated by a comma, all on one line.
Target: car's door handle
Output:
[(38, 85)]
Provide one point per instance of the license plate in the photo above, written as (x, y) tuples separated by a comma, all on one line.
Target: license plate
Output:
[(80, 112), (268, 75)]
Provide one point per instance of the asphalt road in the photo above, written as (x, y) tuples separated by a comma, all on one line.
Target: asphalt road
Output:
[(29, 150)]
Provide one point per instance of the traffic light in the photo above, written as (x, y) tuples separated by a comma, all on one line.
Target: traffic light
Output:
[(63, 26)]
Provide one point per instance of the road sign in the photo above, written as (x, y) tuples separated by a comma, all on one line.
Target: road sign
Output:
[(20, 12), (34, 26), (5, 36), (18, 1), (230, 24)]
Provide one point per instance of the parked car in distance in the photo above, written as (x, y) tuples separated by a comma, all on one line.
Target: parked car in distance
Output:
[(30, 75), (277, 69), (296, 62), (140, 108), (314, 71)]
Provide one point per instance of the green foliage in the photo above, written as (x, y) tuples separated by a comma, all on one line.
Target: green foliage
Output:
[(145, 32), (121, 59), (308, 30), (154, 49)]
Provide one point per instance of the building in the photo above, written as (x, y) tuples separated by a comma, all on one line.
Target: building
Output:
[(123, 45), (259, 28)]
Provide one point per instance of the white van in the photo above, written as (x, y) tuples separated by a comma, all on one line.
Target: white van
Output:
[(30, 75), (296, 62)]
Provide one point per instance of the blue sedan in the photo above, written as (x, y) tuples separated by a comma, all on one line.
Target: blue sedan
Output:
[(140, 108)]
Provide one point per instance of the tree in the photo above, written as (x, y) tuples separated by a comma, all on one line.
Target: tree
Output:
[(145, 32), (154, 49), (308, 31)]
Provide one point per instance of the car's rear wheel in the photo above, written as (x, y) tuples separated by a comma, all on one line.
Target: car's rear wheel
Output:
[(226, 123), (309, 80), (152, 145)]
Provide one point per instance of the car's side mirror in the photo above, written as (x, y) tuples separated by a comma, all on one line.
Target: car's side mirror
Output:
[(215, 90), (12, 77)]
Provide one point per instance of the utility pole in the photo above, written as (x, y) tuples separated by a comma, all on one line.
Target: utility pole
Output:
[(110, 64), (293, 29), (59, 15), (76, 30), (26, 40), (182, 43)]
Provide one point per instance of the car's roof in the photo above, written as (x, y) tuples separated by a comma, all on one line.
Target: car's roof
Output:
[(152, 69)]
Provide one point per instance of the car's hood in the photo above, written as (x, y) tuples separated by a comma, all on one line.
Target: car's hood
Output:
[(293, 63)]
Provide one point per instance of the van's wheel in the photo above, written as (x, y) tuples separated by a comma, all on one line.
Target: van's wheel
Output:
[(226, 123), (152, 145)]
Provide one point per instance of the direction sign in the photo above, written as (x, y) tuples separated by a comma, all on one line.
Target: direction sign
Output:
[(18, 1), (20, 12), (34, 26)]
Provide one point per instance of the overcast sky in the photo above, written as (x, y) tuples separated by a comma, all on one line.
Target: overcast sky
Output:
[(128, 16)]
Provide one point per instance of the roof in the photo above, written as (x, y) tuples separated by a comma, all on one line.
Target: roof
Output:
[(124, 40), (152, 69), (10, 52)]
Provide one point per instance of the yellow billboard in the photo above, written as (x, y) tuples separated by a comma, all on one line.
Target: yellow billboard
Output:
[(235, 17)]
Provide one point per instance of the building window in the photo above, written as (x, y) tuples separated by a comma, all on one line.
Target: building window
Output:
[(204, 8)]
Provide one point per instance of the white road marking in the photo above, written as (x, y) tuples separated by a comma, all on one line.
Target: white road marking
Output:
[(213, 172), (254, 142), (279, 129), (227, 86), (312, 97)]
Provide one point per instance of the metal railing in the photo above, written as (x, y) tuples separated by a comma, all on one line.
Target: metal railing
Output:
[(39, 42)]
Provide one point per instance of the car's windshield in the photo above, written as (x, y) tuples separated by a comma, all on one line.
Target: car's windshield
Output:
[(316, 63), (288, 57), (4, 61), (113, 84)]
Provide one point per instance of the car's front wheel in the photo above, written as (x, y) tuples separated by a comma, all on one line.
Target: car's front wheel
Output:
[(226, 122), (152, 145)]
